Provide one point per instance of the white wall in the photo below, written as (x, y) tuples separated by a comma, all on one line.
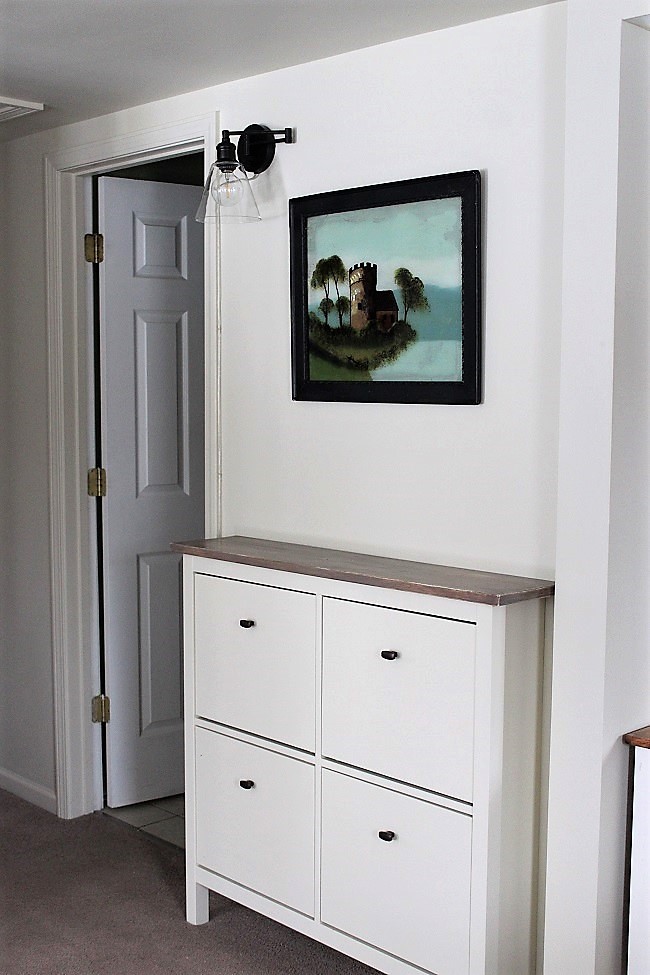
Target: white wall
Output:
[(627, 699), (600, 656), (468, 485), (26, 705), (4, 438)]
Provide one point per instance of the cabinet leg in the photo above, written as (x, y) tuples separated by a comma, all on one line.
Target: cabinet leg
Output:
[(197, 904)]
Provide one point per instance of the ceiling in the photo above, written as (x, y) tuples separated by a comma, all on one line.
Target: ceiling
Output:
[(84, 58)]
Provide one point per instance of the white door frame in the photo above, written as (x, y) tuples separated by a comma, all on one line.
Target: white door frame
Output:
[(75, 738)]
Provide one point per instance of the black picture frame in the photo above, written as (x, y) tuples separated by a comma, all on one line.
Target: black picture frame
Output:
[(444, 363)]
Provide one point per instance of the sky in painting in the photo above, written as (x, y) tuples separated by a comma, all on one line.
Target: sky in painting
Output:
[(424, 237)]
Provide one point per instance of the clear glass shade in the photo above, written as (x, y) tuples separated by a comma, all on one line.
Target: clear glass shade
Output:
[(227, 196)]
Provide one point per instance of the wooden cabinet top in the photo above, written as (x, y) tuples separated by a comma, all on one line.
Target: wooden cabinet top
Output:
[(640, 738), (471, 585)]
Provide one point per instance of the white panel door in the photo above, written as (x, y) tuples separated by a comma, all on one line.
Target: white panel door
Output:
[(151, 312)]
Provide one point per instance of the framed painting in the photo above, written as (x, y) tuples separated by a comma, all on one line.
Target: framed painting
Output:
[(386, 292)]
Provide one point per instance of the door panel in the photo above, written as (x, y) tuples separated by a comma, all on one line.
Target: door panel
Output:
[(151, 310), (158, 640), (162, 399)]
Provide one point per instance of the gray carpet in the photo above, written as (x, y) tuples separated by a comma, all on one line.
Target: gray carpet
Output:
[(92, 896)]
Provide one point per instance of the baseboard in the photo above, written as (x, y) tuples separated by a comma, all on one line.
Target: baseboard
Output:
[(38, 795)]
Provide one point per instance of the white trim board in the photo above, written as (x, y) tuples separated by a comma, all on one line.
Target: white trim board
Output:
[(32, 792), (75, 736)]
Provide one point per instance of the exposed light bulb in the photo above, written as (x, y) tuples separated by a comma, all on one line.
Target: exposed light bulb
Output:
[(229, 190)]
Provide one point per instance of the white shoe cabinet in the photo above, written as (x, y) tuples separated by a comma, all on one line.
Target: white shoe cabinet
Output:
[(363, 751)]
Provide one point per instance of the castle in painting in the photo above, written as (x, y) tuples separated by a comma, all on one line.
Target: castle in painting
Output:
[(366, 303)]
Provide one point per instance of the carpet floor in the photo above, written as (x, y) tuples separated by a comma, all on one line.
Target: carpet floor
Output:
[(91, 896)]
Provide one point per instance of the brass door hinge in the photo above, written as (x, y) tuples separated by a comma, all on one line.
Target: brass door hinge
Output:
[(97, 482), (94, 248), (101, 709)]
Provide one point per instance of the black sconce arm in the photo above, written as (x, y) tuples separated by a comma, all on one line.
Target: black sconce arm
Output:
[(256, 146)]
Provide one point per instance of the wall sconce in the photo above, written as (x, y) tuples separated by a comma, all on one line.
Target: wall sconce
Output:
[(227, 192)]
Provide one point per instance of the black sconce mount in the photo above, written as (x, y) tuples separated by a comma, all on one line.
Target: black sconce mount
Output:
[(255, 149)]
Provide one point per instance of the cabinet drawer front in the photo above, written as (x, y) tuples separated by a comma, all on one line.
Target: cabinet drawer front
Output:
[(409, 895), (255, 818), (256, 658), (408, 713)]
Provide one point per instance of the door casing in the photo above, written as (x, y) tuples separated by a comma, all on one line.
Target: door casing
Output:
[(77, 742)]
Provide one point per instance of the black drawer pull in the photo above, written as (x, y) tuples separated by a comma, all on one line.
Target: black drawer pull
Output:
[(386, 834), (247, 624), (247, 784), (390, 654)]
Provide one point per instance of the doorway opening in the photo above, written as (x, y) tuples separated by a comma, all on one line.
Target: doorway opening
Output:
[(77, 744), (146, 402)]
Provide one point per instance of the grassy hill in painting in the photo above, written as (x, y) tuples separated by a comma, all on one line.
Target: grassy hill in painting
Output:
[(345, 354), (358, 350)]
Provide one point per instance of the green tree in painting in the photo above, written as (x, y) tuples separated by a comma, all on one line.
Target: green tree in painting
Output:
[(342, 305), (321, 278), (412, 289), (327, 271), (339, 275), (326, 306)]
